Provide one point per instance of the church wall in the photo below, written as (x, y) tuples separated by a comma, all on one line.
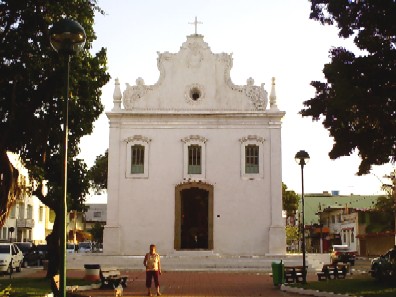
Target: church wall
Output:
[(147, 206)]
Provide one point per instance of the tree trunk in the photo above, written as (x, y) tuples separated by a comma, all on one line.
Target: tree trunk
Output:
[(53, 255)]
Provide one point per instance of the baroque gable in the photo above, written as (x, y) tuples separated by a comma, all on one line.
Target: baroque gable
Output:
[(194, 79)]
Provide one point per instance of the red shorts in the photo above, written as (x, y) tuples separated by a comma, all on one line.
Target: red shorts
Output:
[(150, 274)]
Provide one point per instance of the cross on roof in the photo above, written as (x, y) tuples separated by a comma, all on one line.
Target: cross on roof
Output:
[(195, 23)]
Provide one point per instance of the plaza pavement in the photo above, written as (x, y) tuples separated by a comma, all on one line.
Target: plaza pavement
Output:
[(190, 283), (202, 276)]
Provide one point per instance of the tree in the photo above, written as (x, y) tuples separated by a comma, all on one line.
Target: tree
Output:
[(31, 90), (97, 232), (98, 172), (384, 214), (290, 201), (382, 217), (292, 237), (357, 104)]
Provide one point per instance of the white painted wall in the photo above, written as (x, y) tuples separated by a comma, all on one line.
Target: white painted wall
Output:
[(247, 212)]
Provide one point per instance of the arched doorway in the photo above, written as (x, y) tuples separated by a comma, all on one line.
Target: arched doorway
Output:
[(194, 216)]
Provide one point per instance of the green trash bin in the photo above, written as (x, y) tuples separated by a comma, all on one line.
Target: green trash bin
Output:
[(278, 276)]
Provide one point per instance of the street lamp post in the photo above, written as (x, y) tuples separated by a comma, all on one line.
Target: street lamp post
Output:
[(67, 37), (302, 159)]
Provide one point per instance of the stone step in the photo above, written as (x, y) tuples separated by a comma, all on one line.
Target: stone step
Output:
[(181, 262)]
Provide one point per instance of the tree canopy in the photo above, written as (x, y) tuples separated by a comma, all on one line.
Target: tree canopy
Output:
[(32, 87), (382, 218), (290, 201), (357, 103), (98, 172)]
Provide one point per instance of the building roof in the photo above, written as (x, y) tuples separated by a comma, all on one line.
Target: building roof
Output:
[(314, 204)]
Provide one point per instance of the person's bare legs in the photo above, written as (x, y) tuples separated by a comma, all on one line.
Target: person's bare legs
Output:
[(158, 291)]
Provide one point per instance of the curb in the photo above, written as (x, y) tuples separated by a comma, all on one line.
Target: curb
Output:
[(77, 289), (315, 293)]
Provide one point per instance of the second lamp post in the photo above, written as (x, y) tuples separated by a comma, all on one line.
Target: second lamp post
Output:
[(302, 159)]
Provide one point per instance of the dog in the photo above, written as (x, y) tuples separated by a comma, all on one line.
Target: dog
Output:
[(118, 291)]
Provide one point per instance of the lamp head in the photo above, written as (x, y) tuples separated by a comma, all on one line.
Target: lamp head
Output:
[(302, 158), (67, 37)]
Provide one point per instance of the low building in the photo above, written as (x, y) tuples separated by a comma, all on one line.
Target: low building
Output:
[(96, 213), (79, 224), (342, 225), (331, 218), (349, 226), (29, 218)]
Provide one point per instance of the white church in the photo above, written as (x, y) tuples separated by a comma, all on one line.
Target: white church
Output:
[(195, 161)]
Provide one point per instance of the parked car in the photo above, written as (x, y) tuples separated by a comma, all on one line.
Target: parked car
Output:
[(384, 266), (24, 246), (70, 248), (341, 253), (43, 251), (85, 247), (11, 258), (31, 256)]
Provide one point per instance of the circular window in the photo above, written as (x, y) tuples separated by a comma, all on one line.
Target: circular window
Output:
[(195, 94)]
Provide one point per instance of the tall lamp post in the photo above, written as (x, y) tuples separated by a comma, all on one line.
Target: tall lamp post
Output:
[(67, 37), (302, 159)]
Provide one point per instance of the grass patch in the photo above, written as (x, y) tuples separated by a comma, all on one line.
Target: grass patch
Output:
[(364, 286), (34, 286)]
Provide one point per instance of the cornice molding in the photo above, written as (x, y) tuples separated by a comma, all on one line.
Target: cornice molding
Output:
[(254, 138), (136, 138), (196, 138)]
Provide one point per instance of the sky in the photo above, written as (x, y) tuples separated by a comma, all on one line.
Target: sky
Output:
[(268, 39)]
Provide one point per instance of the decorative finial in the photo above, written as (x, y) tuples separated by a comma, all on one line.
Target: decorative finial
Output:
[(117, 96), (273, 96), (195, 23)]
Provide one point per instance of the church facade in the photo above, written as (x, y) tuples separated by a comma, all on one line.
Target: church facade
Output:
[(195, 161)]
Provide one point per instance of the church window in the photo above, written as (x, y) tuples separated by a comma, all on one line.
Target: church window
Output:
[(252, 157), (137, 156), (194, 159), (137, 163)]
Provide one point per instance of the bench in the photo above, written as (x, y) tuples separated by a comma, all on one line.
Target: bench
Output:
[(332, 271), (321, 275), (294, 274), (111, 278), (342, 270)]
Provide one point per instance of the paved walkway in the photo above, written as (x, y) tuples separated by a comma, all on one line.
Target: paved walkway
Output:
[(190, 283)]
